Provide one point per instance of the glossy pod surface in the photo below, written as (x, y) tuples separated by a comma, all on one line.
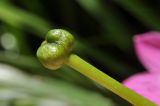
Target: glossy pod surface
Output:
[(54, 51)]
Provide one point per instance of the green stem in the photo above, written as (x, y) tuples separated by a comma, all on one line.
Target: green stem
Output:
[(106, 81)]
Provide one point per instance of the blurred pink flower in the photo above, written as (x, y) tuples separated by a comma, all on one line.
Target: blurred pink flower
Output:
[(148, 50)]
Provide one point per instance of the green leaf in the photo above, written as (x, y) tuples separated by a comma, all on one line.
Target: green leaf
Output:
[(54, 90), (142, 11), (22, 18), (112, 21)]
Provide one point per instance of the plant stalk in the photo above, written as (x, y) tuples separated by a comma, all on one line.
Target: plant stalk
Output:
[(106, 81)]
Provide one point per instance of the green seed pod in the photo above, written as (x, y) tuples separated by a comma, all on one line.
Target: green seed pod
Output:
[(54, 51)]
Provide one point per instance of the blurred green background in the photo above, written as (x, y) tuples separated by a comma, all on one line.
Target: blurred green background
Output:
[(103, 29)]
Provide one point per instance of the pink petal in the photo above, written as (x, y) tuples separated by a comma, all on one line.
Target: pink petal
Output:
[(148, 50), (146, 84)]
